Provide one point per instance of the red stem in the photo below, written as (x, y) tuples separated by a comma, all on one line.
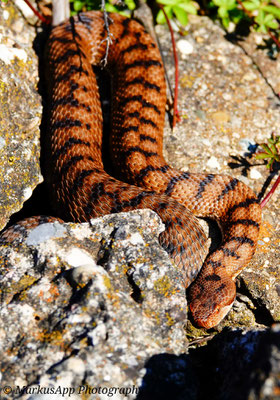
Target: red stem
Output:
[(276, 41), (176, 115), (270, 193), (40, 16)]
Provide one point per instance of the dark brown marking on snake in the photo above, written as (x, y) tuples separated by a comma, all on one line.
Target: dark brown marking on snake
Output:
[(66, 123), (245, 222), (147, 121), (202, 184), (73, 86), (97, 191), (69, 53), (125, 31), (179, 221), (138, 149), (69, 143), (146, 137), (130, 128), (71, 70), (134, 114), (220, 288), (214, 264), (182, 249), (142, 101), (213, 277), (145, 171), (145, 83), (230, 186), (142, 63), (230, 253), (133, 202), (137, 35), (79, 180), (162, 206), (71, 101), (174, 180), (87, 21), (62, 40), (73, 161), (242, 240), (170, 248), (136, 46), (243, 204)]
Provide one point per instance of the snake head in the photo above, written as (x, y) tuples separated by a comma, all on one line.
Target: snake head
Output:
[(211, 298)]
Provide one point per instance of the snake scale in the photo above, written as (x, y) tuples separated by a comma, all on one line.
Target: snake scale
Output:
[(80, 187)]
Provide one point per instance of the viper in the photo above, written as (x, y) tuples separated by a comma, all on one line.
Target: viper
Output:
[(80, 187)]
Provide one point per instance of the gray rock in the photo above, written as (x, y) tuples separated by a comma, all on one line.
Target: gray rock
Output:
[(20, 113), (245, 365), (89, 304)]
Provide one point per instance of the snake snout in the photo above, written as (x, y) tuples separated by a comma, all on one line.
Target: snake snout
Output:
[(210, 306)]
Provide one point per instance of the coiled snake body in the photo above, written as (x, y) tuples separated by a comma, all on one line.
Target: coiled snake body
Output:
[(82, 189)]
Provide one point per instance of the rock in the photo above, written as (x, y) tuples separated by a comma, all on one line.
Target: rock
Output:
[(20, 114), (89, 304), (245, 365)]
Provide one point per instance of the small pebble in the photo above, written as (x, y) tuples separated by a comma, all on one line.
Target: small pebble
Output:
[(221, 116), (227, 96), (258, 38), (7, 54), (185, 46), (213, 163), (254, 174), (250, 76), (2, 143), (231, 27), (6, 15)]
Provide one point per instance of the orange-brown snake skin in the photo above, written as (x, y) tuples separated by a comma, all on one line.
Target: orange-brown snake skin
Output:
[(80, 187)]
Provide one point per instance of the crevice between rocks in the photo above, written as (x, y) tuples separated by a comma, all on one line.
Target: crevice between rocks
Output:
[(261, 313), (136, 293)]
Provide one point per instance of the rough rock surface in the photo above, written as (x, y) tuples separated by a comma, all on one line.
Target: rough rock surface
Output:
[(20, 113), (245, 365), (89, 303), (102, 306)]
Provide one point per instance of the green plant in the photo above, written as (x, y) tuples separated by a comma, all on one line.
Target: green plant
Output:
[(263, 13), (271, 151), (178, 8), (227, 11), (110, 6), (266, 14)]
